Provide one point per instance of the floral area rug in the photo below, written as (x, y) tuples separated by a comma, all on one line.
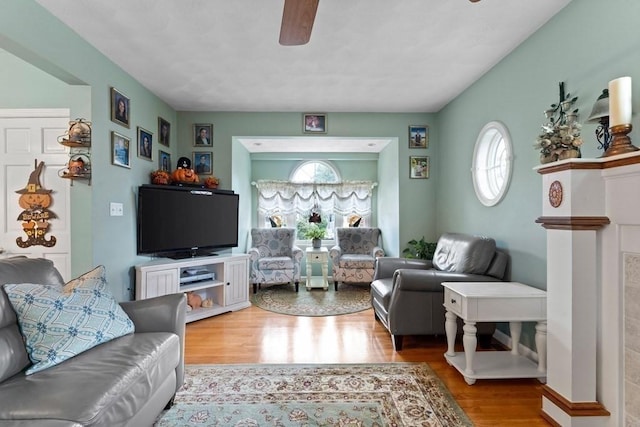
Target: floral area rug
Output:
[(369, 395), (315, 302)]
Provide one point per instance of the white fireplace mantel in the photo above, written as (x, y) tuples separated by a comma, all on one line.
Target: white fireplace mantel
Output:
[(591, 210)]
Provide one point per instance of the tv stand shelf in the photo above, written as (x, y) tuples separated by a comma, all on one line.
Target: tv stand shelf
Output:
[(223, 280)]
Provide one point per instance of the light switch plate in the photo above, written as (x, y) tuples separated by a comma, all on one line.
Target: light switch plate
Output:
[(116, 209)]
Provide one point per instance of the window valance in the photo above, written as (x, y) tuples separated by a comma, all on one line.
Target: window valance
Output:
[(286, 198)]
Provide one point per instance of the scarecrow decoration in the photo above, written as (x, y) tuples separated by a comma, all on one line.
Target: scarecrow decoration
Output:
[(35, 217)]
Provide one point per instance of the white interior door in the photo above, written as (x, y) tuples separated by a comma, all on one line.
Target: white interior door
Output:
[(27, 135)]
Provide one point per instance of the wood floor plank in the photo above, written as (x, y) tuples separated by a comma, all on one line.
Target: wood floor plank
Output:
[(255, 335)]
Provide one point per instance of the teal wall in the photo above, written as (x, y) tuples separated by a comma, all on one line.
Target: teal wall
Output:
[(64, 71), (586, 45)]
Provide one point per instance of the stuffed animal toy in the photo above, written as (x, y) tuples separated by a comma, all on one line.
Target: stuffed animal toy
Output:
[(194, 300)]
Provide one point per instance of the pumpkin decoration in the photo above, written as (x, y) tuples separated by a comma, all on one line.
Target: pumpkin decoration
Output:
[(211, 182), (185, 175), (184, 172), (160, 177), (35, 200)]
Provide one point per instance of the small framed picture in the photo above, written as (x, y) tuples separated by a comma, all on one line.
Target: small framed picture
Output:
[(120, 150), (419, 167), (164, 131), (145, 143), (418, 136), (120, 108), (164, 161), (314, 123), (202, 162), (203, 135)]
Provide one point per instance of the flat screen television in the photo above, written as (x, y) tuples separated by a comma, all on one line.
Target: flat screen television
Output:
[(180, 222)]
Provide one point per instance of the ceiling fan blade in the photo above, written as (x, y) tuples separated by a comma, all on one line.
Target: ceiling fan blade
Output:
[(297, 21)]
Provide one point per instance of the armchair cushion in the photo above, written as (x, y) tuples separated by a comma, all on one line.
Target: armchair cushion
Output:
[(275, 263), (356, 261)]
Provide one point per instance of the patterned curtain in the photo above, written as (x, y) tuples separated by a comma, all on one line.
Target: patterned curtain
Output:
[(289, 198)]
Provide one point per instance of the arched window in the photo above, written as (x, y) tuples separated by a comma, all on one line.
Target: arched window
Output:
[(315, 171)]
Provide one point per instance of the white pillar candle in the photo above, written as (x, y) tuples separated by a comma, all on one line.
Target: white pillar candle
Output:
[(620, 101)]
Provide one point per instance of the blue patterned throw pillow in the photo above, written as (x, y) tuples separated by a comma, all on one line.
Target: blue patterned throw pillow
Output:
[(58, 323)]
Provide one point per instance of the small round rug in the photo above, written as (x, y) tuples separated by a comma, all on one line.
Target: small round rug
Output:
[(284, 299)]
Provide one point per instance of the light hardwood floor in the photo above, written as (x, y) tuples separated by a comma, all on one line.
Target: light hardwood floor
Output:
[(254, 335)]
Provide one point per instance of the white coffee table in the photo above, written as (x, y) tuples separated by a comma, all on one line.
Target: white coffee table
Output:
[(494, 302), (318, 256)]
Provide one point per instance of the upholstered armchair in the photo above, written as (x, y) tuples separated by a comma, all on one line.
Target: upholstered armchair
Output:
[(407, 294), (354, 255), (273, 257)]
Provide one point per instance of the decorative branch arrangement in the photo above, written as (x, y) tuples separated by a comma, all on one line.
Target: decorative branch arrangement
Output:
[(560, 137)]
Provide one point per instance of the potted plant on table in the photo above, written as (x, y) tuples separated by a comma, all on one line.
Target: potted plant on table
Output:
[(315, 234)]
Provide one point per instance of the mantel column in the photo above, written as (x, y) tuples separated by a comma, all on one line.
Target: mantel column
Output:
[(573, 212)]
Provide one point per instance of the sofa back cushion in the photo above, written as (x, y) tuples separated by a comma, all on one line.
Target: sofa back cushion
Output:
[(13, 356), (462, 253)]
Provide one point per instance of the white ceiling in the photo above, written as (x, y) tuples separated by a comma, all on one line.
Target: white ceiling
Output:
[(364, 55)]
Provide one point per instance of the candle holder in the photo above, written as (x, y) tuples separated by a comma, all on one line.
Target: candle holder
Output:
[(620, 141)]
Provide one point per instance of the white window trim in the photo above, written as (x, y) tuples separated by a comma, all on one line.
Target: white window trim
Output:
[(481, 172)]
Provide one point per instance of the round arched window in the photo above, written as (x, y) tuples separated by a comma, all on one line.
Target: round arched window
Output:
[(491, 168)]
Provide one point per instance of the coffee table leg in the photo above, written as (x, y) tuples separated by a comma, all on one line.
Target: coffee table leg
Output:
[(470, 342), (450, 328), (516, 329)]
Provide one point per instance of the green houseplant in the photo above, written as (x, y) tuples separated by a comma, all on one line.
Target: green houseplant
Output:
[(419, 249), (315, 234)]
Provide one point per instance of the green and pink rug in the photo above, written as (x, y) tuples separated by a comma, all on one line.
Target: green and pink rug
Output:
[(372, 395), (315, 302)]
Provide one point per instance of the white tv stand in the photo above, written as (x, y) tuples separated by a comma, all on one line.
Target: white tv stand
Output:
[(224, 279)]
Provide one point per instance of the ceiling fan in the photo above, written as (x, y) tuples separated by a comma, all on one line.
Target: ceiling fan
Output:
[(297, 21)]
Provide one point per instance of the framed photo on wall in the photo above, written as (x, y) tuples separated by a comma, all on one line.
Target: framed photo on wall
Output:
[(120, 108), (164, 131), (145, 143), (202, 162), (419, 167), (418, 136), (314, 123), (164, 161), (120, 150), (203, 135)]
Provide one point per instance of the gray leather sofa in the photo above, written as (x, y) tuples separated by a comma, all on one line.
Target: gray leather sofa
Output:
[(407, 295), (124, 382)]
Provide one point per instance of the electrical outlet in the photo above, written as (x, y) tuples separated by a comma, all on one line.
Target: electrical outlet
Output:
[(116, 209)]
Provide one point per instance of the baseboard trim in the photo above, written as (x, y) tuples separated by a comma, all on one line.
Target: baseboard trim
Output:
[(574, 409)]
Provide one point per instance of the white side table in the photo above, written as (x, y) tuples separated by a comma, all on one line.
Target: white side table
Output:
[(318, 256), (493, 302)]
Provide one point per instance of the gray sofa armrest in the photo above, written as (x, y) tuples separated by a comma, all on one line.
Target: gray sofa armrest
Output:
[(161, 314), (387, 266)]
